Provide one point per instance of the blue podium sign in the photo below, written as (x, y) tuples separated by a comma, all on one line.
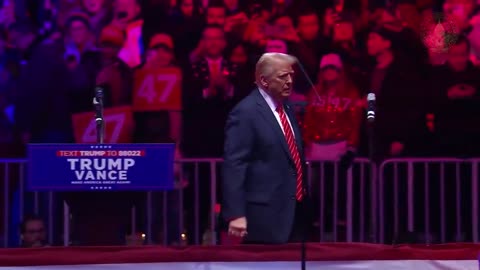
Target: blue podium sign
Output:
[(100, 167)]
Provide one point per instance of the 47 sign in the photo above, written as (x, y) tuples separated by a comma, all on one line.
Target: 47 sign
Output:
[(157, 89), (118, 126)]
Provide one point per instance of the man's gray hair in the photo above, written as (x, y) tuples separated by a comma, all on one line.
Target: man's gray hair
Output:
[(266, 63)]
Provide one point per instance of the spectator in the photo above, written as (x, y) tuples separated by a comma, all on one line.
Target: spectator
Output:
[(79, 38), (256, 30), (209, 95), (331, 127), (309, 48), (459, 12), (8, 13), (161, 126), (81, 62), (115, 76), (216, 14), (32, 232), (98, 12), (276, 45), (42, 103), (127, 15), (233, 6), (283, 29), (187, 24), (455, 99), (239, 57), (398, 88), (333, 114), (209, 91), (344, 42)]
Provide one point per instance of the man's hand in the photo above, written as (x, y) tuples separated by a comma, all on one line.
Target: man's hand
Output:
[(238, 227)]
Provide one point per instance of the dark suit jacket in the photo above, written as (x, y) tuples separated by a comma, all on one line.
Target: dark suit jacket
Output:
[(259, 179)]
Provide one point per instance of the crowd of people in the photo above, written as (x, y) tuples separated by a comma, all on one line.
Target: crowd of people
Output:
[(173, 69), (170, 65)]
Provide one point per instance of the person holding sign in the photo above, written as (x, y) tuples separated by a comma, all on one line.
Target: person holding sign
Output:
[(157, 103), (157, 94), (115, 78)]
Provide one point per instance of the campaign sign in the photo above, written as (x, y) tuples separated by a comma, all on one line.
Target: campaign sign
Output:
[(100, 167), (118, 125), (157, 89)]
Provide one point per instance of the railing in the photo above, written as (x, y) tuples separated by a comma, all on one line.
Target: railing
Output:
[(438, 197), (343, 218), (366, 203)]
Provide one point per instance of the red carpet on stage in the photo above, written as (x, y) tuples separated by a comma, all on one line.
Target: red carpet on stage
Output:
[(319, 256)]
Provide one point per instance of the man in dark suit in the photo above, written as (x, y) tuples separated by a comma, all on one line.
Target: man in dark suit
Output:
[(264, 185)]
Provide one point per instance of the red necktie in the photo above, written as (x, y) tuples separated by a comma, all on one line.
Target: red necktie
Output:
[(292, 146)]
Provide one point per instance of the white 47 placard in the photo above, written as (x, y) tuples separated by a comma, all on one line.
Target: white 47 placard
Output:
[(157, 89), (118, 126)]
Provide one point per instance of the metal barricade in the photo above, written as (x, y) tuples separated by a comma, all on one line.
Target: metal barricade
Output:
[(345, 200), (166, 211), (427, 200), (197, 178), (12, 173), (434, 196), (475, 207), (194, 176)]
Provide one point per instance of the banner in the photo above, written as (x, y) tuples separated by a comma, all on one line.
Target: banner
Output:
[(157, 89), (104, 167), (119, 126)]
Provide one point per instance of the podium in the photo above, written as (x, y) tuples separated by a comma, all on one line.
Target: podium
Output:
[(100, 168)]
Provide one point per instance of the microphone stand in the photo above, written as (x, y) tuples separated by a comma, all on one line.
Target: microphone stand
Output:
[(371, 99), (371, 158), (98, 104), (303, 246)]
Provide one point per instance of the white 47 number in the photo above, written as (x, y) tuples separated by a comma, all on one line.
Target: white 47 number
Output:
[(147, 88), (115, 120)]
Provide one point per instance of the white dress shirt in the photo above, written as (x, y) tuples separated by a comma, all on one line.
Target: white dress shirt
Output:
[(273, 107)]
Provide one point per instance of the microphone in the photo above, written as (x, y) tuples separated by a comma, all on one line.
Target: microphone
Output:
[(99, 93), (371, 107), (98, 103)]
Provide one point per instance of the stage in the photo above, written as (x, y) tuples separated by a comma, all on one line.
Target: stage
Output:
[(320, 256)]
